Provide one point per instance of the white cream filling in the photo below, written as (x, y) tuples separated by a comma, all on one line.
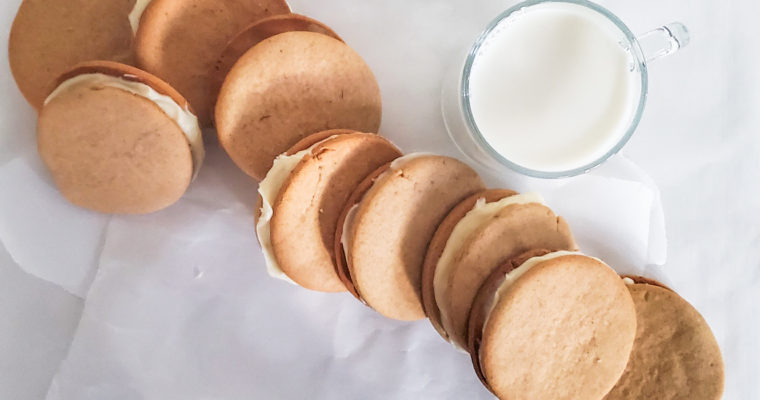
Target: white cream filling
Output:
[(136, 13), (475, 218), (185, 119), (347, 224), (269, 189), (629, 281)]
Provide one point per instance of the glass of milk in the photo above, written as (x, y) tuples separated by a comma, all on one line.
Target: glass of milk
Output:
[(552, 88)]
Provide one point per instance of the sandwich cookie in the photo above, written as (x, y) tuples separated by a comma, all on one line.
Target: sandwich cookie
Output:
[(290, 86), (49, 37), (385, 232), (302, 197), (119, 140), (675, 355), (181, 40), (438, 243), (481, 234), (557, 326), (255, 33)]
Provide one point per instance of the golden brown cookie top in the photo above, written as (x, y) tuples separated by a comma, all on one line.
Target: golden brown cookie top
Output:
[(562, 330), (254, 34), (675, 355), (511, 231), (181, 40), (49, 37), (310, 201), (437, 245), (110, 150), (394, 224), (290, 86)]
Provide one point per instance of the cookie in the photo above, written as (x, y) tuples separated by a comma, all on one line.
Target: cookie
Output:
[(118, 140), (181, 40), (341, 240), (558, 326), (288, 87), (255, 33), (386, 234), (305, 192), (437, 245), (49, 37), (489, 235), (675, 355)]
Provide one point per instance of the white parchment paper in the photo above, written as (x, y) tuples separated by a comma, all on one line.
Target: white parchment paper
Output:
[(180, 306)]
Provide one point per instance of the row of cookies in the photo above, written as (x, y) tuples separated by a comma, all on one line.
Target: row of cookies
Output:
[(127, 140), (497, 273)]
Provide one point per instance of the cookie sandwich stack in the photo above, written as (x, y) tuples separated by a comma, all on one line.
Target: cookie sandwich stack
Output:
[(125, 91)]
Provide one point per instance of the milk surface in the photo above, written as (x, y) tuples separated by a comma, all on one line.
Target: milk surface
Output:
[(552, 88)]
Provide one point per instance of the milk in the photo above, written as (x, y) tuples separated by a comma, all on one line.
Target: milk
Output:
[(552, 88)]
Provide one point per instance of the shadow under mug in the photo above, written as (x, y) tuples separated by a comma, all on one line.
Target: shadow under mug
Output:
[(457, 112)]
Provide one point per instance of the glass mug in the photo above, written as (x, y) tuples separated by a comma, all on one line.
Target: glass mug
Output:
[(457, 98)]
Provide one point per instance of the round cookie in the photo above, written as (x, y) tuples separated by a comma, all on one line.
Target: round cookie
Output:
[(483, 302), (438, 244), (118, 140), (181, 40), (675, 355), (507, 233), (341, 264), (288, 87), (309, 203), (255, 33), (558, 327), (387, 233), (48, 37)]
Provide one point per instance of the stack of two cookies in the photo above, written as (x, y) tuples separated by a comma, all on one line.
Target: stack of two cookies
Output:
[(497, 273), (125, 89)]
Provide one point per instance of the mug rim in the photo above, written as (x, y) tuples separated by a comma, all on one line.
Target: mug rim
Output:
[(472, 126)]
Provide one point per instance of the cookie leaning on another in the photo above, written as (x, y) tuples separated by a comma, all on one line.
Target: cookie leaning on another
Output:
[(49, 37), (552, 325), (290, 86), (302, 197), (119, 140), (388, 223), (181, 40), (675, 354), (482, 233), (254, 34)]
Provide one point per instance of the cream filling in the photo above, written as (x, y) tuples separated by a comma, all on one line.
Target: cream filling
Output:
[(475, 218), (345, 234), (136, 13), (629, 281), (185, 119), (269, 189)]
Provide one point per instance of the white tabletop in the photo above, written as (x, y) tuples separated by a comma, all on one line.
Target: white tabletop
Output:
[(699, 140)]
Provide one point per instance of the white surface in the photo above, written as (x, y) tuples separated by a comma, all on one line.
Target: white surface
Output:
[(551, 87), (37, 320), (182, 306)]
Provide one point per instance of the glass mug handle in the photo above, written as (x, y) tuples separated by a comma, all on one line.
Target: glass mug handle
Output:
[(663, 41)]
